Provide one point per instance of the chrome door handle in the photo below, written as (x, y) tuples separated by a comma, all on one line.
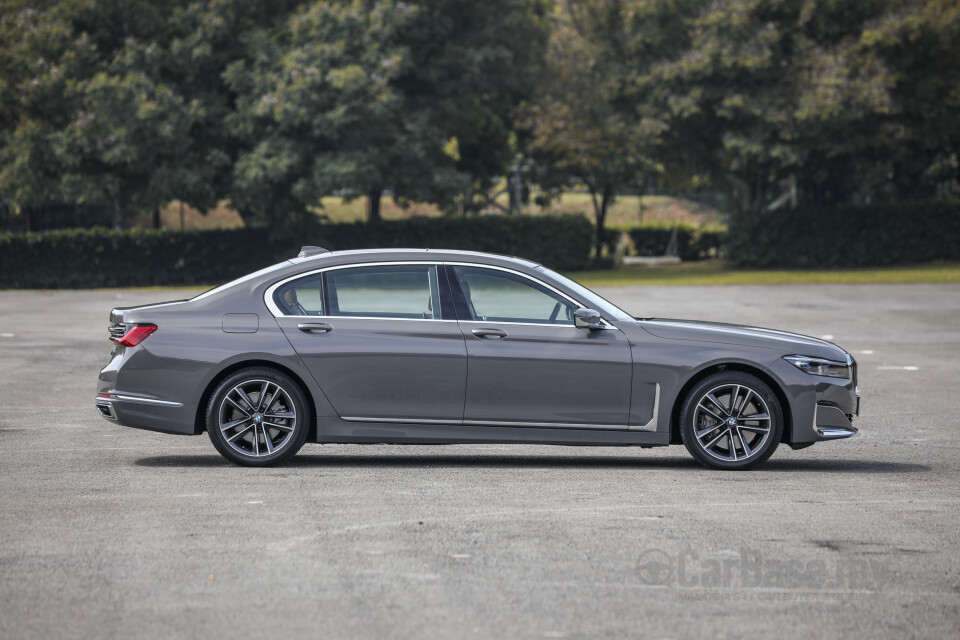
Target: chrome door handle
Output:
[(315, 327), (490, 333)]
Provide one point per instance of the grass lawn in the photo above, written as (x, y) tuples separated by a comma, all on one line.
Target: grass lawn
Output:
[(717, 272)]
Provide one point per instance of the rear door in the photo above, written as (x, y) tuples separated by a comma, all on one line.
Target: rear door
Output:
[(528, 365), (375, 339)]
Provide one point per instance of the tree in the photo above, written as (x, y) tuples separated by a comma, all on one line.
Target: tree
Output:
[(358, 97), (581, 129), (93, 117), (833, 100)]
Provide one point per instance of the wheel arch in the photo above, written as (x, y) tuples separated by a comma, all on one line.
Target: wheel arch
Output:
[(199, 424), (765, 376)]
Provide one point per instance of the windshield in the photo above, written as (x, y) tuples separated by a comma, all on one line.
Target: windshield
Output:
[(603, 306)]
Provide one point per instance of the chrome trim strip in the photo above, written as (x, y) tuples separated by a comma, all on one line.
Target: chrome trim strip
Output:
[(492, 323), (370, 318), (552, 425), (402, 420), (160, 403), (488, 423), (652, 425), (835, 432)]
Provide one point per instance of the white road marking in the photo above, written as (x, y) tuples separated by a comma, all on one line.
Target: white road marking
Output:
[(6, 335), (460, 555), (907, 368), (827, 336), (254, 502), (867, 352)]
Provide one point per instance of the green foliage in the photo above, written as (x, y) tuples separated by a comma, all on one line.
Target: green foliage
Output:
[(362, 96), (693, 243), (832, 101), (104, 258), (852, 236)]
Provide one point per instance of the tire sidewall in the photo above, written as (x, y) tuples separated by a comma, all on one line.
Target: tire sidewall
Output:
[(293, 390), (687, 429)]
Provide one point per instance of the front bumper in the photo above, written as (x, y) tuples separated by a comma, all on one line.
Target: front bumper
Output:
[(821, 408)]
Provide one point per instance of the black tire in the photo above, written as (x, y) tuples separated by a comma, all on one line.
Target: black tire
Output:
[(233, 417), (710, 436)]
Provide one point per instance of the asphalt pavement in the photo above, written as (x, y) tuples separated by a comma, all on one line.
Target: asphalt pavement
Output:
[(113, 532)]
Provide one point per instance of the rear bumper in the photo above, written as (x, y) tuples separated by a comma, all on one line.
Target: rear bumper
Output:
[(142, 412)]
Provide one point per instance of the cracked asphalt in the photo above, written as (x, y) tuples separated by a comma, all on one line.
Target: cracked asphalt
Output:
[(114, 532)]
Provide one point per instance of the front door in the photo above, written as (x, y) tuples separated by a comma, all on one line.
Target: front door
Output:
[(528, 365), (375, 340)]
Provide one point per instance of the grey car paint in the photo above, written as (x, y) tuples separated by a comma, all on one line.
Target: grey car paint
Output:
[(384, 380)]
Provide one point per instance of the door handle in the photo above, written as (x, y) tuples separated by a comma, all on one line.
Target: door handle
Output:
[(490, 333), (315, 327)]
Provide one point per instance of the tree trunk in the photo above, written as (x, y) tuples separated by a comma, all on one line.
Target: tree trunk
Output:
[(156, 218), (373, 205), (600, 212)]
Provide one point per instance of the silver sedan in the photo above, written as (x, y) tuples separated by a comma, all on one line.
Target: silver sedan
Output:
[(435, 347)]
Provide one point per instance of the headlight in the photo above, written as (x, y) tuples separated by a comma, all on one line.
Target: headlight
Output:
[(819, 366)]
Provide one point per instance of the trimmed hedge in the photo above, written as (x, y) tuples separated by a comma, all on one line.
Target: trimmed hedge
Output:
[(652, 239), (852, 236), (104, 258)]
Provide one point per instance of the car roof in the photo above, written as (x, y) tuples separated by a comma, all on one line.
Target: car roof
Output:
[(408, 254)]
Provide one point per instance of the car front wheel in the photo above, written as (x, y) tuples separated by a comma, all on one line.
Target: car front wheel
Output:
[(257, 417), (731, 420)]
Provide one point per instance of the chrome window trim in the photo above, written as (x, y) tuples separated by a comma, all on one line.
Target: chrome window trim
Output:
[(277, 313), (579, 305), (371, 318), (522, 324)]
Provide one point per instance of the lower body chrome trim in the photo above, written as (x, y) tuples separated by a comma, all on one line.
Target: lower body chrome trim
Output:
[(491, 423), (402, 420), (160, 403), (551, 425), (836, 432)]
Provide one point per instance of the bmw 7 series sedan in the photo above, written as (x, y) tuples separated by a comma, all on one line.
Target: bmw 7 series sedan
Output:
[(441, 347)]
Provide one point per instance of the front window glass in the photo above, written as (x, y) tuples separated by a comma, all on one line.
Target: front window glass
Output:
[(493, 295), (388, 291), (600, 304), (303, 297)]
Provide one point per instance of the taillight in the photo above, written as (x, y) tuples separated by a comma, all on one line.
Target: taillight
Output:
[(135, 335)]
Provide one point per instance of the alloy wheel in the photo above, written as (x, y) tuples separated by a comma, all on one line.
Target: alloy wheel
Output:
[(731, 423), (257, 418)]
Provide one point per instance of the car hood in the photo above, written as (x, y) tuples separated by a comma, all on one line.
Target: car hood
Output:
[(783, 341)]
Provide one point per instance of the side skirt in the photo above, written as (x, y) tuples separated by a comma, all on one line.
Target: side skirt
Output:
[(337, 431)]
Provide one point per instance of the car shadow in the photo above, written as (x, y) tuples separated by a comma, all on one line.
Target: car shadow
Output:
[(522, 461)]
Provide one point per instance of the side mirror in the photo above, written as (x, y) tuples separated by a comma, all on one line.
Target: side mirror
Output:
[(587, 319)]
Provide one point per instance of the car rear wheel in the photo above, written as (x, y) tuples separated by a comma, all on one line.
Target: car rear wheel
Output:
[(258, 417), (731, 420)]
